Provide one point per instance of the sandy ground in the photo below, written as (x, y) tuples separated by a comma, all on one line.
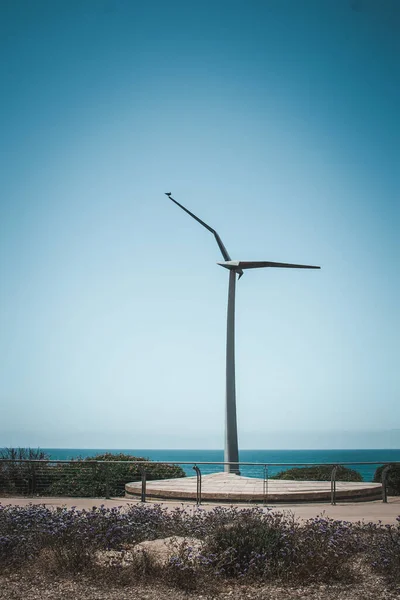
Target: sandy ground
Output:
[(365, 511)]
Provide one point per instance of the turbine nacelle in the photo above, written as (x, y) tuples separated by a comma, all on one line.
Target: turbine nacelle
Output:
[(232, 265)]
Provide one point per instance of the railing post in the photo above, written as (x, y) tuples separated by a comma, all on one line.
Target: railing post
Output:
[(107, 480), (34, 479), (31, 477), (333, 484), (198, 487), (384, 483), (95, 490), (143, 485), (265, 484)]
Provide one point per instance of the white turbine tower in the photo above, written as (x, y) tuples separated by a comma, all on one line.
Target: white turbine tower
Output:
[(231, 454)]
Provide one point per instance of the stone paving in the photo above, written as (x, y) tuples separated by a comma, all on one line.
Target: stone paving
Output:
[(229, 487)]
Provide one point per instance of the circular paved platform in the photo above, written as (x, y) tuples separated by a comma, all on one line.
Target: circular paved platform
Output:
[(227, 487)]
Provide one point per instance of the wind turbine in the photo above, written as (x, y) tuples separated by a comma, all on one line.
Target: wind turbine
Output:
[(231, 454)]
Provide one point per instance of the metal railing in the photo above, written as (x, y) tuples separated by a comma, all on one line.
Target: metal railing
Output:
[(105, 479), (333, 484), (198, 484)]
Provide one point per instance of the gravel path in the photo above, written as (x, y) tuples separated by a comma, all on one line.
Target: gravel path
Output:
[(38, 587)]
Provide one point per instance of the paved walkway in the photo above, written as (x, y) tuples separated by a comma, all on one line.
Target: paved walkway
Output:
[(358, 511)]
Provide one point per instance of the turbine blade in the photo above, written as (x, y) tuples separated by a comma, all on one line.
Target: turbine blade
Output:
[(221, 246), (238, 265), (261, 264)]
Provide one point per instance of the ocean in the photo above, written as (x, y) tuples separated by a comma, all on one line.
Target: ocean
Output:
[(254, 456)]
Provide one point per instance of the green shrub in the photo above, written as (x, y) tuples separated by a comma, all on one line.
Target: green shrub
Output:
[(392, 478), (89, 478), (81, 478), (19, 477), (319, 473), (385, 551), (259, 545), (251, 545)]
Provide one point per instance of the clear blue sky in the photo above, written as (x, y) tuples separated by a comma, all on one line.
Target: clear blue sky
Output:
[(276, 121)]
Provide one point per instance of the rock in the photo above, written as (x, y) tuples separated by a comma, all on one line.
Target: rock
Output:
[(159, 551)]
